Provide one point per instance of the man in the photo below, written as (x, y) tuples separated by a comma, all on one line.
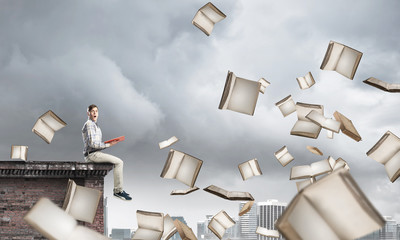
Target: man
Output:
[(93, 144)]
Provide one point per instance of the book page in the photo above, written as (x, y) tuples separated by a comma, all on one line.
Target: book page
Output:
[(50, 220), (264, 84), (224, 219), (392, 167), (235, 195), (298, 172), (226, 94), (385, 148), (69, 195), (303, 109), (201, 21), (347, 126), (84, 204), (43, 131), (266, 232), (189, 170), (309, 79), (213, 13), (150, 220), (246, 207), (286, 106), (332, 56), (53, 121), (169, 228), (216, 228), (168, 142), (343, 206), (172, 164), (308, 223), (184, 191), (146, 234), (255, 167), (304, 183), (244, 96), (217, 191), (305, 129), (316, 117), (320, 167), (314, 150), (348, 62), (283, 156), (245, 170)]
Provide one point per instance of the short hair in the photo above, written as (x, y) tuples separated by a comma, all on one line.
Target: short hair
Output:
[(91, 106)]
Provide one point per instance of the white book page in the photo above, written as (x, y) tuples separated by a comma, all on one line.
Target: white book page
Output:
[(236, 194), (320, 167), (388, 147), (169, 227), (212, 14), (334, 57), (52, 122), (255, 167), (16, 152), (244, 96), (151, 221), (393, 165), (50, 220), (308, 223), (168, 142), (188, 170), (309, 79), (44, 130), (223, 219), (332, 125), (175, 164), (303, 171), (316, 117), (24, 150), (217, 227), (204, 22), (84, 204), (245, 170), (302, 82), (232, 80), (305, 128), (266, 232), (286, 159), (146, 234), (303, 111), (347, 62), (287, 107)]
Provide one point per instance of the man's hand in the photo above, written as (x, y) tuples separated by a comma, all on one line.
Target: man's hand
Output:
[(113, 143)]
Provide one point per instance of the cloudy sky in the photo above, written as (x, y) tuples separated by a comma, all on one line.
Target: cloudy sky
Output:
[(154, 75)]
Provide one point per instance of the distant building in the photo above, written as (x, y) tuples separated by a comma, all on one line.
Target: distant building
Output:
[(120, 234), (390, 231), (267, 213), (201, 230), (248, 223)]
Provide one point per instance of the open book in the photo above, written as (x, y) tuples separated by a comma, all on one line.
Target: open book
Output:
[(283, 156), (19, 152), (169, 228), (206, 17), (118, 139), (219, 223), (264, 85), (305, 127), (304, 183), (314, 150), (266, 232), (334, 207), (184, 191), (246, 208), (286, 105), (342, 59), (240, 95), (47, 125), (185, 232), (306, 82), (312, 170), (168, 142), (230, 195), (346, 126), (55, 224), (81, 202), (150, 225), (388, 87), (182, 167), (249, 169), (387, 152), (321, 120), (338, 163)]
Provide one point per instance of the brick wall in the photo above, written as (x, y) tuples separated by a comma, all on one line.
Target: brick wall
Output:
[(23, 184)]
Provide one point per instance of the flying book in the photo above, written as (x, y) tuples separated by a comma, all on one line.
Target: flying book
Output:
[(306, 82), (387, 152), (182, 167), (118, 139), (19, 152), (206, 17), (81, 202), (266, 232), (246, 208), (249, 169), (185, 232), (47, 125), (338, 163), (312, 170), (54, 223), (321, 120), (314, 150), (169, 228), (305, 127), (342, 59), (240, 95), (283, 156), (388, 87), (150, 225), (184, 191), (304, 183), (334, 207), (346, 126), (229, 195), (264, 85), (219, 223), (286, 105), (168, 142)]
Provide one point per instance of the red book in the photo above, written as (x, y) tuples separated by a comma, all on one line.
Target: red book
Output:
[(118, 139)]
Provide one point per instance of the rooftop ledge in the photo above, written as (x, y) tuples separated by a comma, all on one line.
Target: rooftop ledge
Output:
[(53, 169)]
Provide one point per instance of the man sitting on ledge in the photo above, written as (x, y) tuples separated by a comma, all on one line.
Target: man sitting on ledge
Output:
[(93, 144)]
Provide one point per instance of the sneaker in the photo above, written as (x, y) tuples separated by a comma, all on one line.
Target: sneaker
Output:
[(123, 195)]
